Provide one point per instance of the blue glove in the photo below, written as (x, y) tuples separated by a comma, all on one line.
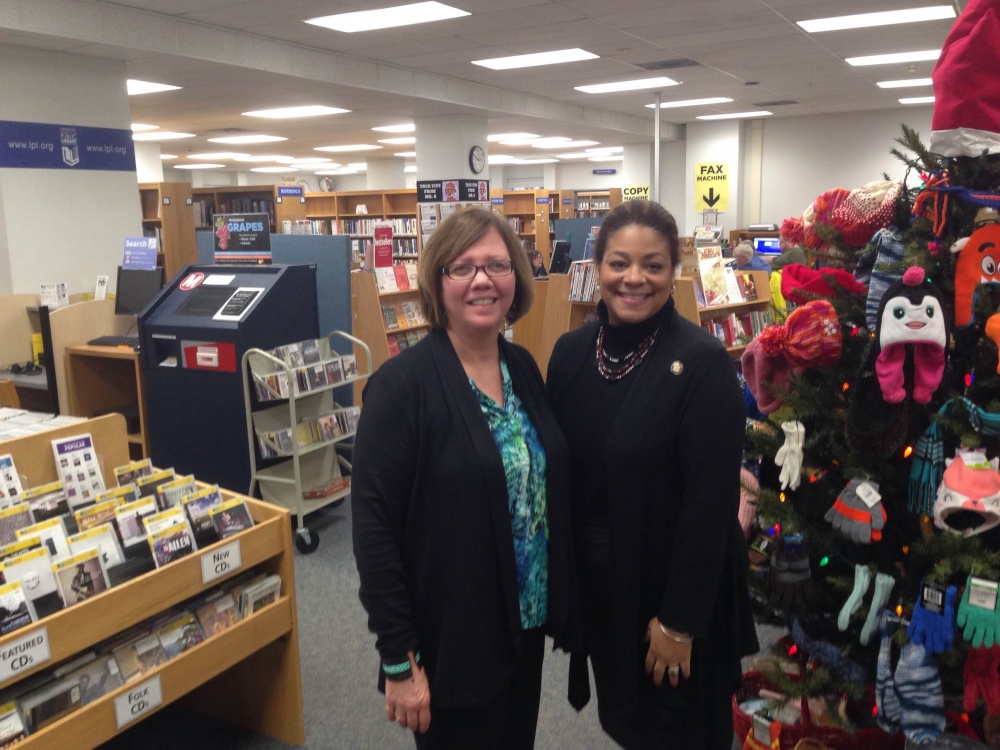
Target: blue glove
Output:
[(935, 632)]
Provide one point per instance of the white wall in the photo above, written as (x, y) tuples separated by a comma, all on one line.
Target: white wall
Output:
[(148, 165), (60, 224), (806, 156), (717, 141)]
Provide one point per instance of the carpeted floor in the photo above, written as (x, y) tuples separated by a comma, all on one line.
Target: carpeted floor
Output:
[(339, 664)]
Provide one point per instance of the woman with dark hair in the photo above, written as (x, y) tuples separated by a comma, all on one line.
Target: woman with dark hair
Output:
[(460, 495), (654, 417)]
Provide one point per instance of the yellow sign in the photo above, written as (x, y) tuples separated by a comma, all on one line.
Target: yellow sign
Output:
[(711, 186), (635, 193)]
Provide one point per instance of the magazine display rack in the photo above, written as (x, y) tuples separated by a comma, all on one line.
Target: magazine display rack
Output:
[(306, 465), (249, 674)]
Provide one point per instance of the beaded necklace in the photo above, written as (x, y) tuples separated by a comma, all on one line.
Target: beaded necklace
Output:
[(624, 364)]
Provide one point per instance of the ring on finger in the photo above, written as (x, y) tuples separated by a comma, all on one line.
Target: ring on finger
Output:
[(674, 671)]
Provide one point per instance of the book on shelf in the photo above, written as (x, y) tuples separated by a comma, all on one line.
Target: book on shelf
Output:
[(389, 315), (734, 294), (385, 279), (411, 273), (172, 543), (230, 518), (713, 276), (198, 505), (748, 287), (402, 280), (393, 342), (583, 281), (81, 576), (737, 330)]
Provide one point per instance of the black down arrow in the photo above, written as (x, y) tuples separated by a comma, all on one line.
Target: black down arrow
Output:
[(711, 199)]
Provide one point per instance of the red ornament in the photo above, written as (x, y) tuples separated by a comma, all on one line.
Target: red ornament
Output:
[(854, 331), (969, 379), (793, 650)]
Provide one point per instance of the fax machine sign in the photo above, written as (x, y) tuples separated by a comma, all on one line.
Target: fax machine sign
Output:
[(70, 148)]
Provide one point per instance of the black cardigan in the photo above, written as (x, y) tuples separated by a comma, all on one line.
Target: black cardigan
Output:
[(432, 529), (673, 459)]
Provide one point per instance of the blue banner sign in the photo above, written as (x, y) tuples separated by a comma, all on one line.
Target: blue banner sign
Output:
[(496, 201), (290, 192), (39, 145), (605, 171), (567, 201), (541, 200), (140, 253)]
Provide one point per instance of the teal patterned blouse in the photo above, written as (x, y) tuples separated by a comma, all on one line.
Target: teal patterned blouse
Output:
[(524, 464)]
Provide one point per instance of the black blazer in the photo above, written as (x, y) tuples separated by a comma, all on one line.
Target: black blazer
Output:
[(673, 461), (432, 529)]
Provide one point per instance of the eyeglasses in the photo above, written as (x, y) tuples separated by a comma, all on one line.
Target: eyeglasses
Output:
[(468, 271)]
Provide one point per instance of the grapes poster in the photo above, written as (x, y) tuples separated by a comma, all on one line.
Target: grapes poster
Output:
[(242, 239)]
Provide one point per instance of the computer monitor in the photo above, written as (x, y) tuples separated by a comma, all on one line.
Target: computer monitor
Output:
[(561, 259), (136, 289), (767, 245)]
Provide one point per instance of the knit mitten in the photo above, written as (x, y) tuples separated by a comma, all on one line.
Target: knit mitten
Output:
[(789, 455), (883, 587), (979, 624), (933, 626), (791, 579), (886, 701), (853, 518), (886, 271), (921, 700), (980, 679), (861, 580)]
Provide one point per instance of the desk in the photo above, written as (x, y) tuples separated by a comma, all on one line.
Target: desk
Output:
[(33, 392), (100, 378)]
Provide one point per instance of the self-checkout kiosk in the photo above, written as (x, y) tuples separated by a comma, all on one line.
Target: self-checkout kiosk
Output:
[(192, 340)]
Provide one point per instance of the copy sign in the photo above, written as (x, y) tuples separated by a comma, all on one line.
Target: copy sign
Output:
[(220, 562), (24, 654), (138, 702)]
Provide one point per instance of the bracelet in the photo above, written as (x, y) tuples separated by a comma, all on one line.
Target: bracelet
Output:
[(401, 671), (675, 636)]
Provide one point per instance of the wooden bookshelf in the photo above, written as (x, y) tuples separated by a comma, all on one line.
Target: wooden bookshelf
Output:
[(280, 208), (249, 674), (687, 303), (559, 316), (592, 204), (379, 204), (530, 208), (165, 208)]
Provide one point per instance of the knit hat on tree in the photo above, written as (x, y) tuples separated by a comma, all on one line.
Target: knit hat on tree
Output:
[(866, 210), (967, 100), (766, 376), (800, 284), (810, 337)]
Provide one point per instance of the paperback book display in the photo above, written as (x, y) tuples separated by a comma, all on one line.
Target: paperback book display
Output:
[(402, 315), (401, 277), (713, 275), (403, 340), (314, 366), (583, 281)]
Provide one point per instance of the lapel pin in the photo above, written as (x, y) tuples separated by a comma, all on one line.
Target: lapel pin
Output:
[(677, 367)]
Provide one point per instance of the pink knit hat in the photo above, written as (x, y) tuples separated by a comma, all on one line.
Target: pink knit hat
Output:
[(765, 373), (810, 337)]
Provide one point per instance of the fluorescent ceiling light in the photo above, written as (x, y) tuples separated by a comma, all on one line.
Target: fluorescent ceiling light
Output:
[(410, 169), (216, 156), (359, 165), (735, 115), (405, 141), (499, 159), (917, 100), (354, 147), (895, 57), (308, 110), (905, 83), (310, 160), (580, 155), (536, 58), (199, 166), (387, 18), (163, 135), (135, 87), (318, 165), (248, 139), (510, 137), (406, 154), (339, 171), (692, 102), (534, 161), (138, 127), (396, 128), (565, 144), (883, 18), (532, 141), (264, 158), (606, 158), (641, 83), (164, 157), (274, 169), (605, 150)]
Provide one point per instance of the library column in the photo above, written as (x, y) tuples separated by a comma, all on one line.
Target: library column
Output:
[(68, 190), (443, 145)]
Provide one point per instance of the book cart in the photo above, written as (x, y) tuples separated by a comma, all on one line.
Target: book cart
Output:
[(248, 674), (283, 479)]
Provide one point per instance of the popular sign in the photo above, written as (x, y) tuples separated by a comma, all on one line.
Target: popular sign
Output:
[(711, 186), (635, 193)]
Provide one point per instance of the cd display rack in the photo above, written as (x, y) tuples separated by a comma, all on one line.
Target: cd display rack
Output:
[(283, 480), (249, 674)]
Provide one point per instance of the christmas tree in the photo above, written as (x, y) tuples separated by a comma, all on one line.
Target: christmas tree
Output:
[(875, 415)]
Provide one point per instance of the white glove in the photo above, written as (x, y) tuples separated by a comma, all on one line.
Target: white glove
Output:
[(789, 456)]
